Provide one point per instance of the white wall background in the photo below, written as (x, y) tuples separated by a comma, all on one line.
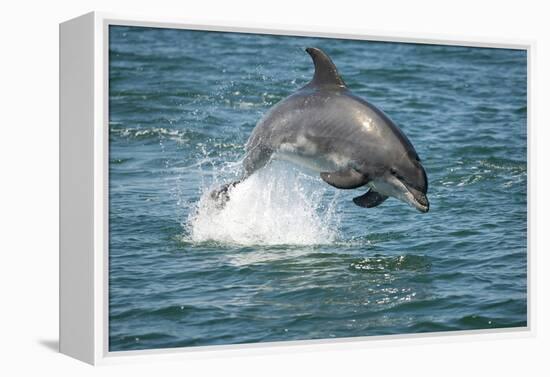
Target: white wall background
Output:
[(29, 185)]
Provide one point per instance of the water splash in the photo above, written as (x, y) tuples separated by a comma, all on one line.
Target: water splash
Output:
[(278, 205)]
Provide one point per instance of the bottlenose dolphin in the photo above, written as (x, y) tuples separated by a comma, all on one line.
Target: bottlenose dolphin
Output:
[(349, 141)]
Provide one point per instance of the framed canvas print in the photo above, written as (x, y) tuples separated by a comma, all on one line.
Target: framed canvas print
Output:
[(224, 187)]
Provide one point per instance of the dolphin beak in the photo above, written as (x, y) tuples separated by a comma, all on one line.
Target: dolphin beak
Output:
[(410, 195), (421, 202), (417, 199)]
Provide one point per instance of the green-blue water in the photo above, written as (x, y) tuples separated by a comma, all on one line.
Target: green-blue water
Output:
[(290, 257)]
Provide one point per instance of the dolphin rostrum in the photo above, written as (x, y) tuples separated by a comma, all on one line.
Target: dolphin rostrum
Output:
[(349, 141)]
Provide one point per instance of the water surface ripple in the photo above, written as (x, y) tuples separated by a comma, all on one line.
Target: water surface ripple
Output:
[(293, 258)]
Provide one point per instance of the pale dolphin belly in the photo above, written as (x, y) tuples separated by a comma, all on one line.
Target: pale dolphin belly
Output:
[(306, 154)]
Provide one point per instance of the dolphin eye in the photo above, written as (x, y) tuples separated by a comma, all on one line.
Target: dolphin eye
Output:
[(396, 174)]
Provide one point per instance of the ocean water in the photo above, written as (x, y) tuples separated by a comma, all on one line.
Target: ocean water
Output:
[(289, 257)]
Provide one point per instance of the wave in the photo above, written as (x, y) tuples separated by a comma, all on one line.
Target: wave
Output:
[(181, 136), (278, 205), (472, 171), (383, 264)]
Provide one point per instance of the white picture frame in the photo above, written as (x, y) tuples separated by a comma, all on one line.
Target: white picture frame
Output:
[(84, 191)]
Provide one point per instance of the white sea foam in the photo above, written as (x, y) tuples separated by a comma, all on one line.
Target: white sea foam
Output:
[(278, 205)]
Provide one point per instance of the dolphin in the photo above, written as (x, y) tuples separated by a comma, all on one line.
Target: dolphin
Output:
[(346, 139)]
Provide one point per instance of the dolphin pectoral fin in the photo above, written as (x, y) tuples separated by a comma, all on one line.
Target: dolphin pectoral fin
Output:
[(345, 179), (370, 199)]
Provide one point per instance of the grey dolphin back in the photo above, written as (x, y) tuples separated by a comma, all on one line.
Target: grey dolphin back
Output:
[(326, 77), (326, 73)]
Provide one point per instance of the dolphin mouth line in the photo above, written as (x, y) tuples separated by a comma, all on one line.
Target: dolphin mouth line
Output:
[(421, 207), (415, 198), (401, 190), (420, 203)]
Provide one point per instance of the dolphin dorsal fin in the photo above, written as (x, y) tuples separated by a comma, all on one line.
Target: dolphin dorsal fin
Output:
[(326, 73)]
